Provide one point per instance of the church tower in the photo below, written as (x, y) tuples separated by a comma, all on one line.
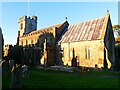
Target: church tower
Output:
[(27, 25)]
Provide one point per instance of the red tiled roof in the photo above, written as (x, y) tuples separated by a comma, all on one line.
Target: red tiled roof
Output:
[(88, 30)]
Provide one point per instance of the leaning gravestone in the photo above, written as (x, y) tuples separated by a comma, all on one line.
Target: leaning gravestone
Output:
[(16, 76)]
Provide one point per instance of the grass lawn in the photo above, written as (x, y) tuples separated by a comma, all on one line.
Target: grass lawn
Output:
[(40, 78)]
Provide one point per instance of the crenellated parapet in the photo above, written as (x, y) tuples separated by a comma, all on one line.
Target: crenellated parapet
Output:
[(27, 25)]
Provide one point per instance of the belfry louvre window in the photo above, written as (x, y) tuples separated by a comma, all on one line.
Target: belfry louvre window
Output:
[(87, 53)]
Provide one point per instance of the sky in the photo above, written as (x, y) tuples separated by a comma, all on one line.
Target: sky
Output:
[(51, 13), (119, 12)]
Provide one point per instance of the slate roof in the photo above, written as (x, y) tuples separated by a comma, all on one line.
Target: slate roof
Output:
[(87, 30), (43, 30)]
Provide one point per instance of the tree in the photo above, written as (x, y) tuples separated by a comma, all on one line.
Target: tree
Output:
[(117, 57), (116, 29), (16, 53)]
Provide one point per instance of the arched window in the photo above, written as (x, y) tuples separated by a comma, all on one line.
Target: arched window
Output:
[(21, 26)]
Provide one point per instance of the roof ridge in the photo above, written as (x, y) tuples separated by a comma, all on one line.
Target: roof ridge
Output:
[(87, 20), (44, 29)]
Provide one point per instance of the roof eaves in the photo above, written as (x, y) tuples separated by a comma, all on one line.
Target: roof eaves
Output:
[(107, 17)]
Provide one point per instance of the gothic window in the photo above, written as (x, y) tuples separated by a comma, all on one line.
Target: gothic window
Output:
[(87, 53), (21, 26)]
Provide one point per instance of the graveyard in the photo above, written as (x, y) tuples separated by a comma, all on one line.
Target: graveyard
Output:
[(49, 78)]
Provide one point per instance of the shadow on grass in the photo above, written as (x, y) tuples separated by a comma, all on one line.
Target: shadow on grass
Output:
[(41, 78)]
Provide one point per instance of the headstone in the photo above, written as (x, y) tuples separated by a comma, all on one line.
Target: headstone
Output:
[(16, 79)]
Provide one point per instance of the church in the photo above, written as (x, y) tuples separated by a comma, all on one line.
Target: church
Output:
[(92, 41)]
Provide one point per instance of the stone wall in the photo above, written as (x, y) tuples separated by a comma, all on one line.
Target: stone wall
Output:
[(96, 48), (110, 43), (36, 39)]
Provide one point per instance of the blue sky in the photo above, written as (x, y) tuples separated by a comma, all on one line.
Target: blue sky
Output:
[(51, 13)]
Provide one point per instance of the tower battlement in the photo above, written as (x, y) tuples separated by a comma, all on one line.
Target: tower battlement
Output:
[(27, 25), (25, 17), (34, 17)]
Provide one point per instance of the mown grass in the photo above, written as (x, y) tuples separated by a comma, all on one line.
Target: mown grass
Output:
[(41, 78)]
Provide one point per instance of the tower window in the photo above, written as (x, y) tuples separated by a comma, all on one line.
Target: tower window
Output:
[(21, 26)]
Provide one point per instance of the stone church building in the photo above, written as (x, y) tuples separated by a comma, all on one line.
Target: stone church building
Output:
[(91, 41)]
